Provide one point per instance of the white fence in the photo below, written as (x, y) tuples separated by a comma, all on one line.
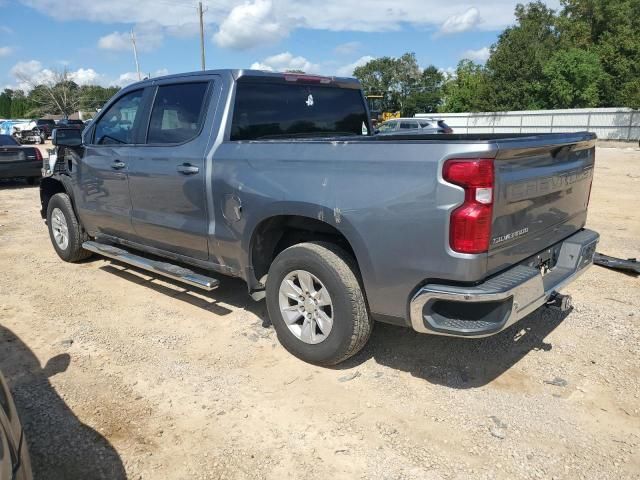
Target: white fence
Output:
[(607, 123)]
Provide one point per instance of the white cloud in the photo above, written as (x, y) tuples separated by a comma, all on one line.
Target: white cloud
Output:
[(448, 72), (5, 51), (5, 29), (28, 73), (347, 70), (481, 55), (149, 36), (277, 17), (86, 76), (348, 48), (286, 61), (32, 72), (249, 25), (462, 22), (128, 78)]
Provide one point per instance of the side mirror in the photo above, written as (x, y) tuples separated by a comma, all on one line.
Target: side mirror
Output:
[(66, 137)]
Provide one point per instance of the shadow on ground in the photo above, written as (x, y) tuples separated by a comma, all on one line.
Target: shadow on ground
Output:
[(61, 446), (452, 362), (458, 362), (15, 184), (232, 291)]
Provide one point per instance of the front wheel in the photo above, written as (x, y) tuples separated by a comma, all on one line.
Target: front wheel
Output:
[(316, 303), (64, 229)]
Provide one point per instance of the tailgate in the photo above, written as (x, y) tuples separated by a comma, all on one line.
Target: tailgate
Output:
[(542, 191)]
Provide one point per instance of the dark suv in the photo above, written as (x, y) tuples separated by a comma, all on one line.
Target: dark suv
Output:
[(45, 126), (67, 123)]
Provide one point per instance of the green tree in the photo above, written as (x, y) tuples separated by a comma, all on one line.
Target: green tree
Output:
[(378, 77), (57, 95), (93, 97), (405, 86), (427, 93), (20, 104), (468, 90), (5, 103), (516, 64), (573, 79), (611, 29)]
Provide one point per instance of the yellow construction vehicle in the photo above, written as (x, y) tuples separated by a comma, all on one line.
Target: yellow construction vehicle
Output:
[(375, 103)]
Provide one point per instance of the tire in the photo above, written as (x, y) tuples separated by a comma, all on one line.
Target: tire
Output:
[(331, 268), (71, 250)]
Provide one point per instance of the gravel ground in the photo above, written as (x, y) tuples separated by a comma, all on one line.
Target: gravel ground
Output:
[(121, 375)]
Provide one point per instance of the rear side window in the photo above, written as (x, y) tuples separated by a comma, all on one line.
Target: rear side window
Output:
[(116, 125), (177, 113), (274, 110)]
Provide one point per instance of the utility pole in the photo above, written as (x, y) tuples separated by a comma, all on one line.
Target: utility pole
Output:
[(135, 53), (200, 14)]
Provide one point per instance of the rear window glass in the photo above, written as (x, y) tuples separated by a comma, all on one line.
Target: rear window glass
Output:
[(177, 113), (7, 140), (272, 110)]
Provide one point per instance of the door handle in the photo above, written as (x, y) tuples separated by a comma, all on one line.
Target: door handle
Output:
[(188, 169), (118, 165)]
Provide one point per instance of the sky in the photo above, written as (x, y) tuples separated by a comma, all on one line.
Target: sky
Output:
[(91, 38)]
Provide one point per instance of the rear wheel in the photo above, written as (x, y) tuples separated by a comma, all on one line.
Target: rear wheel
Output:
[(316, 304), (64, 229)]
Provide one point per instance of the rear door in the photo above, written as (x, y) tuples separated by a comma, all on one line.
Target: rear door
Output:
[(167, 178), (102, 173), (542, 191)]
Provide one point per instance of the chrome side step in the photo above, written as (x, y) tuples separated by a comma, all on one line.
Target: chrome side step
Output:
[(169, 270)]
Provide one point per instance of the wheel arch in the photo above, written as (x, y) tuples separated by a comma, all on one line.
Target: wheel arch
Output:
[(50, 186), (278, 231)]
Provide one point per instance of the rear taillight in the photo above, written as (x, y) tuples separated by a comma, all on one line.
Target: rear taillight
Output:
[(38, 154), (470, 225)]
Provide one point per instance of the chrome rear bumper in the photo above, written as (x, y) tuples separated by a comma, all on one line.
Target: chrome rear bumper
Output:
[(499, 302)]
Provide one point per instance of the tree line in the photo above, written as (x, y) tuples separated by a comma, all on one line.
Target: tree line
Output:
[(587, 54)]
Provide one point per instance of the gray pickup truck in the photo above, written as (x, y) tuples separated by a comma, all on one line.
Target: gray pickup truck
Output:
[(278, 179)]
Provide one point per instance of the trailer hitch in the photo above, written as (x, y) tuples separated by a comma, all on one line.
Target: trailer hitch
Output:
[(560, 302)]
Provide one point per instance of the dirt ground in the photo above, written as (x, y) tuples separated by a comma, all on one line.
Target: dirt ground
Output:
[(121, 375)]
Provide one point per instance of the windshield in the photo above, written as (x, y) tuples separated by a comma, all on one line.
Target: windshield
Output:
[(274, 110)]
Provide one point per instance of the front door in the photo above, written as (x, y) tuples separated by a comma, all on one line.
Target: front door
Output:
[(101, 175), (167, 174)]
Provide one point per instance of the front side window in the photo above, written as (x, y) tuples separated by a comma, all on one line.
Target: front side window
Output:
[(177, 113), (116, 125), (290, 110), (408, 125)]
